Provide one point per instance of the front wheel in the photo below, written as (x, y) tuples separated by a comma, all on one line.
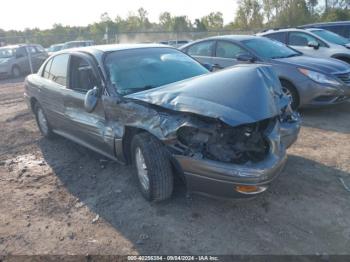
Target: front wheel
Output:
[(152, 167), (291, 93)]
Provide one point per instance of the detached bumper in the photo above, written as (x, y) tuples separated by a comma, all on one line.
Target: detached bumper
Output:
[(223, 180)]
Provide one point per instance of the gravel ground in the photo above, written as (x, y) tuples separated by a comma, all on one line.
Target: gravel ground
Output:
[(60, 198)]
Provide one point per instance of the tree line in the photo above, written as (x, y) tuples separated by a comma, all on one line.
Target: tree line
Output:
[(251, 15)]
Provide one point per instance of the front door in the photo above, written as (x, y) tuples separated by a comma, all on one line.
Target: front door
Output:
[(87, 128), (226, 54)]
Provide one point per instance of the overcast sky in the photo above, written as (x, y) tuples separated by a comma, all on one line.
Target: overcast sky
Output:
[(44, 13)]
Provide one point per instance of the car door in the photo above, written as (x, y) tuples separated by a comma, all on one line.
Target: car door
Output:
[(203, 51), (87, 128), (301, 41), (226, 54), (22, 59), (52, 88)]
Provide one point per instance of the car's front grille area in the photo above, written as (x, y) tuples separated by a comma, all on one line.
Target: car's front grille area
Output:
[(344, 77)]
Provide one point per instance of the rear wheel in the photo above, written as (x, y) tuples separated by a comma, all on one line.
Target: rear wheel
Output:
[(16, 72), (290, 91), (152, 167), (42, 122)]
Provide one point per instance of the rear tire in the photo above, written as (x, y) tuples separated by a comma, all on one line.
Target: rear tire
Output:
[(152, 167), (41, 120), (16, 72), (290, 91)]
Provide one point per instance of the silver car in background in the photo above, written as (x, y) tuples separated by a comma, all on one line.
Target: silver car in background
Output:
[(308, 81), (14, 59), (313, 42)]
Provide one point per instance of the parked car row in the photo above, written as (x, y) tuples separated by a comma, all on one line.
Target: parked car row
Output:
[(72, 44), (218, 113)]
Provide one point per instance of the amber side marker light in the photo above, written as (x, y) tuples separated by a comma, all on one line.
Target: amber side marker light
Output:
[(250, 190)]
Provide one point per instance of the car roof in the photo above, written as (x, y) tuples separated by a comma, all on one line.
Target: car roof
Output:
[(111, 48), (328, 23), (18, 45), (233, 37)]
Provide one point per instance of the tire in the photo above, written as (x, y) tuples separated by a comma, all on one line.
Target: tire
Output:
[(289, 90), (16, 72), (41, 120), (152, 167)]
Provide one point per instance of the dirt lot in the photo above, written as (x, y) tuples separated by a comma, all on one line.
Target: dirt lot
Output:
[(60, 198)]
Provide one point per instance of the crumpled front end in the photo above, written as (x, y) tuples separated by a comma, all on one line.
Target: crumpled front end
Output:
[(227, 131), (230, 161)]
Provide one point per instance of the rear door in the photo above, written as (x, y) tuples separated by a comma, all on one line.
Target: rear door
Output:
[(226, 54), (203, 51), (52, 89)]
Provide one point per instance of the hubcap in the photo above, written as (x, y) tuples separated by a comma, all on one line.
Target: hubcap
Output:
[(287, 93), (142, 169), (42, 121)]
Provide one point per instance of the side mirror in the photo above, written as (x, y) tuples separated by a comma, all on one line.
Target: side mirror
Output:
[(210, 67), (91, 100), (313, 44), (246, 58)]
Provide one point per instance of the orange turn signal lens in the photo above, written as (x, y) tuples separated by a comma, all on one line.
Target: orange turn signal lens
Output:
[(245, 189)]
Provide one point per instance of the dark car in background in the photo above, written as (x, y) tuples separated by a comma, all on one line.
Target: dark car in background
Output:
[(341, 27), (308, 81), (159, 109), (14, 59)]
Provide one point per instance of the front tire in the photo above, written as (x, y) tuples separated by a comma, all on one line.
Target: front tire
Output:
[(152, 167), (290, 91), (42, 122)]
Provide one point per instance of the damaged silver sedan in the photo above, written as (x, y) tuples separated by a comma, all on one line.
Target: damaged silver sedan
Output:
[(223, 133)]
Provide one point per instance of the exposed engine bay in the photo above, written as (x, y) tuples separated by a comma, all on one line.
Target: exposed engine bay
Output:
[(237, 145)]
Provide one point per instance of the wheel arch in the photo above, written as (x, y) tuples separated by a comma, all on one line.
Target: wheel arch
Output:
[(33, 101), (129, 133)]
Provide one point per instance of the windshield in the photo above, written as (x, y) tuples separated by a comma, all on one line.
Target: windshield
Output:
[(267, 48), (135, 70), (331, 37), (6, 52)]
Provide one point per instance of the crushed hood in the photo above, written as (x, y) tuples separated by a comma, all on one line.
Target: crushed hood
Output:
[(238, 95)]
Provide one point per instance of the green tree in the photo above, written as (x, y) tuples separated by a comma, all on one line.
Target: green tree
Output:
[(249, 15)]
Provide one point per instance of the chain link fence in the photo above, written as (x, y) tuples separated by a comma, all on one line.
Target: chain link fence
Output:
[(130, 37)]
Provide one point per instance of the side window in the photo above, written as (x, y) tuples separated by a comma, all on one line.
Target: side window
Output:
[(21, 52), (228, 50), (201, 49), (31, 49), (281, 37), (58, 71), (39, 48), (82, 77), (302, 39), (46, 71)]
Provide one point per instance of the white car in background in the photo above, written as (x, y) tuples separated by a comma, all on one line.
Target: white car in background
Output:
[(313, 42)]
